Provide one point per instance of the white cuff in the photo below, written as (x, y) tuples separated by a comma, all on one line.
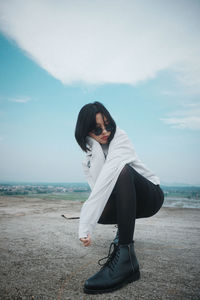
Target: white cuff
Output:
[(84, 229)]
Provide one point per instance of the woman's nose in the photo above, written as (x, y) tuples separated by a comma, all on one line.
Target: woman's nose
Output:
[(104, 129)]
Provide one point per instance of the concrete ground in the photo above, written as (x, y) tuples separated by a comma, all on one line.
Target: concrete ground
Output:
[(41, 257)]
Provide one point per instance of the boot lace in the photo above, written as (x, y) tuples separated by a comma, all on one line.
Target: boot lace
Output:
[(112, 257)]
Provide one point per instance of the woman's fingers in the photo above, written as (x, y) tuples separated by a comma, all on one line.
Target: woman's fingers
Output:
[(86, 241), (86, 244)]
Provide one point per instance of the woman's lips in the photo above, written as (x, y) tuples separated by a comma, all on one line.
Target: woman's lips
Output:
[(105, 138)]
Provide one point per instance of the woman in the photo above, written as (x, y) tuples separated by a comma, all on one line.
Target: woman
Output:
[(122, 189)]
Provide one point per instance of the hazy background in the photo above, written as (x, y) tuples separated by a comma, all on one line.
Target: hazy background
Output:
[(139, 58)]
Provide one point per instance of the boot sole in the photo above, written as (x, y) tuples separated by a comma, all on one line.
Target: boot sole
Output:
[(130, 279)]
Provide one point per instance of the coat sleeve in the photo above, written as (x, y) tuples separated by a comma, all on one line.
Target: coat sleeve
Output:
[(120, 152), (86, 170), (93, 162)]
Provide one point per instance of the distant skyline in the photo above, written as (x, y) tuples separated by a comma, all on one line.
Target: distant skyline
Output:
[(141, 60)]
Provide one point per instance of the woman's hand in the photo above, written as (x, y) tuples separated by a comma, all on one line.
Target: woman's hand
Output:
[(86, 241)]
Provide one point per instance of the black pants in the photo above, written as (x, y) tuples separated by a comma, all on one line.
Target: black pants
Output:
[(133, 197)]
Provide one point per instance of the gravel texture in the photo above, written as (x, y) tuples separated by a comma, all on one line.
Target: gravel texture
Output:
[(41, 257)]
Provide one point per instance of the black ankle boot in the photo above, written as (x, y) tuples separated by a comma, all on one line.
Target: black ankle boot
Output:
[(121, 268)]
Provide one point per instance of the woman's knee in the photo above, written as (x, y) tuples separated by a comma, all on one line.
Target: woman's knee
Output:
[(126, 177), (125, 172)]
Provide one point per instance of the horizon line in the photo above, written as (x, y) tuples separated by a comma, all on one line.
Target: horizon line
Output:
[(84, 182)]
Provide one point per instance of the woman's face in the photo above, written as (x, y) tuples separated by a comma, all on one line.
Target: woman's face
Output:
[(100, 123)]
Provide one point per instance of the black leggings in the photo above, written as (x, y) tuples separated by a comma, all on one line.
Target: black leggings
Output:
[(133, 197)]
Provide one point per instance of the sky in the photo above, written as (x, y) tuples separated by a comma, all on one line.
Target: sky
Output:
[(140, 59)]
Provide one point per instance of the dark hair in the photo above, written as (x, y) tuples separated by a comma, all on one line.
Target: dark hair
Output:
[(86, 122)]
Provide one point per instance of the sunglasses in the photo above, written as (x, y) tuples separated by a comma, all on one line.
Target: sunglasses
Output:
[(99, 130)]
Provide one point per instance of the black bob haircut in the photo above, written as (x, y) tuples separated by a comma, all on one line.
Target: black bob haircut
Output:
[(86, 122)]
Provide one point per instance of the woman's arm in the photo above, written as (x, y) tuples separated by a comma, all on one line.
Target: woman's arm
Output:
[(93, 162), (92, 165)]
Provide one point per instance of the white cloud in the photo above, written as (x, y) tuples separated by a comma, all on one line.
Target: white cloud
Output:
[(188, 74), (20, 100), (184, 122), (103, 41), (188, 116)]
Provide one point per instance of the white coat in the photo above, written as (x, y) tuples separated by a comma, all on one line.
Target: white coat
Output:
[(102, 173)]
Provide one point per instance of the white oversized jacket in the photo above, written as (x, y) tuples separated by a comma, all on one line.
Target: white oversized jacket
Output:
[(102, 173)]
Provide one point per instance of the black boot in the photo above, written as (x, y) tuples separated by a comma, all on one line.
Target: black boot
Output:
[(121, 268)]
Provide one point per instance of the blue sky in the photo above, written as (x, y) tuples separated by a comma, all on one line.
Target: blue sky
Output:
[(42, 89)]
